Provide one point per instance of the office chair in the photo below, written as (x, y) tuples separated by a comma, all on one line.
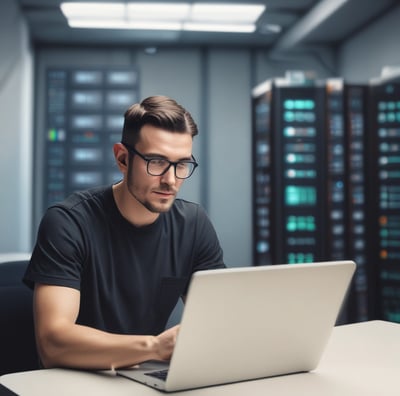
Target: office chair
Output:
[(17, 339)]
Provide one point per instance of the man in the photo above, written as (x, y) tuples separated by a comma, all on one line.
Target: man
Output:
[(110, 263)]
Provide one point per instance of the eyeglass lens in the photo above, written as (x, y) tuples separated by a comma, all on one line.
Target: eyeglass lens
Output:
[(159, 166)]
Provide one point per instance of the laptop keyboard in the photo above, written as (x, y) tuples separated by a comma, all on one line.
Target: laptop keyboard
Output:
[(161, 374)]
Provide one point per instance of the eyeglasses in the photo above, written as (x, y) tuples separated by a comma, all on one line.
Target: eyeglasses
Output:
[(158, 166)]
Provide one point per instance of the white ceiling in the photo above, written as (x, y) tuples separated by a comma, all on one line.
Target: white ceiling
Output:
[(306, 22)]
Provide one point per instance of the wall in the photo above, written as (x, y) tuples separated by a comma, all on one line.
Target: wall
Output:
[(363, 56), (229, 152), (15, 130), (178, 74)]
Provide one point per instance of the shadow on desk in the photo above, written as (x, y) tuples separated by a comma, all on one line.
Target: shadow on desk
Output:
[(5, 391)]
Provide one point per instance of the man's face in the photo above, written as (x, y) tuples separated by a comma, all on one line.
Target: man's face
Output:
[(157, 193)]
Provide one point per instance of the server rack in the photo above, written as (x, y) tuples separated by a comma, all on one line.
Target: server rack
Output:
[(84, 117), (359, 244), (288, 147), (307, 168), (336, 234), (298, 124), (384, 108), (262, 175)]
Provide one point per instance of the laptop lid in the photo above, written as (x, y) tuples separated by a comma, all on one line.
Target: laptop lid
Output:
[(255, 322)]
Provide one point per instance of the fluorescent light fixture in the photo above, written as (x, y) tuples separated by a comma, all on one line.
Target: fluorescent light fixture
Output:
[(239, 18), (158, 11), (117, 24), (219, 27), (93, 10), (226, 12), (96, 23)]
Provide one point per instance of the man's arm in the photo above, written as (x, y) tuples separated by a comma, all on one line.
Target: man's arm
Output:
[(63, 343)]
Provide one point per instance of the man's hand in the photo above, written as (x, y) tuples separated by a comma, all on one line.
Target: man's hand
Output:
[(166, 342)]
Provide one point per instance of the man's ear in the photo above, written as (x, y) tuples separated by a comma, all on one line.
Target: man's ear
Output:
[(121, 156)]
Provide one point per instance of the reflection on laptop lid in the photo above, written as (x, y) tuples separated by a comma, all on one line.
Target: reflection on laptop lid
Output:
[(252, 322)]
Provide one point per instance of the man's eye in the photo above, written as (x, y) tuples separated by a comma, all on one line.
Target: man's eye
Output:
[(159, 162)]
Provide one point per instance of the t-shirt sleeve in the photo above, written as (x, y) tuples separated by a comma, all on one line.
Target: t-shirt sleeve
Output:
[(58, 254), (208, 251)]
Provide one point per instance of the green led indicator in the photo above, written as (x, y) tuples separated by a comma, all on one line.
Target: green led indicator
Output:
[(289, 116), (384, 233), (299, 104), (393, 174), (381, 118), (52, 135), (291, 224), (310, 104), (300, 158), (391, 117), (298, 258), (310, 223), (289, 104), (393, 160), (389, 88), (300, 195), (302, 174), (300, 223)]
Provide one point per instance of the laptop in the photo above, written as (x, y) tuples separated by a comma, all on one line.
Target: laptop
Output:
[(251, 322)]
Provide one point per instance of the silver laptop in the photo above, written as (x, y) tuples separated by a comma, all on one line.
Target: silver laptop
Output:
[(252, 322)]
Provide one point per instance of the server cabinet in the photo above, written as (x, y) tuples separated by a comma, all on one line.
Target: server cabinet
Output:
[(357, 202), (84, 117), (385, 196), (262, 207), (309, 178), (298, 152), (289, 155), (335, 232)]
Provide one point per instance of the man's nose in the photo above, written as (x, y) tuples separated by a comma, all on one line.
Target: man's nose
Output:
[(169, 176)]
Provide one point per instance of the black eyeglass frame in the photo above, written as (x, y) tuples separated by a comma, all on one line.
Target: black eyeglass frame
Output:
[(171, 163)]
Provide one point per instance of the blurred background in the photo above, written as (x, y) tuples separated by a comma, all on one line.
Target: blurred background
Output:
[(297, 103)]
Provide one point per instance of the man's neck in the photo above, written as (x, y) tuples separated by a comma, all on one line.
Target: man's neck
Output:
[(130, 208)]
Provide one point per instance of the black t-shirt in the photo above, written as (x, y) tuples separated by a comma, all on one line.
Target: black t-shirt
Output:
[(130, 278)]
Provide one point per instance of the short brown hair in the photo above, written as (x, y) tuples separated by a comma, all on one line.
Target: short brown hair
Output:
[(159, 111)]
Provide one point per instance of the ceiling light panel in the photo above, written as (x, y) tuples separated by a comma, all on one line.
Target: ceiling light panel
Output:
[(164, 16), (219, 27), (117, 24), (226, 12), (93, 10), (158, 11)]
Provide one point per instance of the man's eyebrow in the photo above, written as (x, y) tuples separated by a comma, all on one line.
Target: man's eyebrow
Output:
[(157, 155)]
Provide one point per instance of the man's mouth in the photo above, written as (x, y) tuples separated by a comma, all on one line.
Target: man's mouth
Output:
[(165, 193)]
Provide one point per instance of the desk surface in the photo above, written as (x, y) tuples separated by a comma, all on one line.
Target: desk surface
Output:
[(360, 359), (7, 257)]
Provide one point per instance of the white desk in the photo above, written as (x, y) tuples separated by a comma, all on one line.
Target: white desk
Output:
[(360, 360), (7, 257)]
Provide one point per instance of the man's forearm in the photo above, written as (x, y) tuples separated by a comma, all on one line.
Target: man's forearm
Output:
[(63, 343), (84, 347)]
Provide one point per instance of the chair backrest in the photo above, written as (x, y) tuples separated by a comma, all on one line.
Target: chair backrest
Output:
[(17, 339)]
